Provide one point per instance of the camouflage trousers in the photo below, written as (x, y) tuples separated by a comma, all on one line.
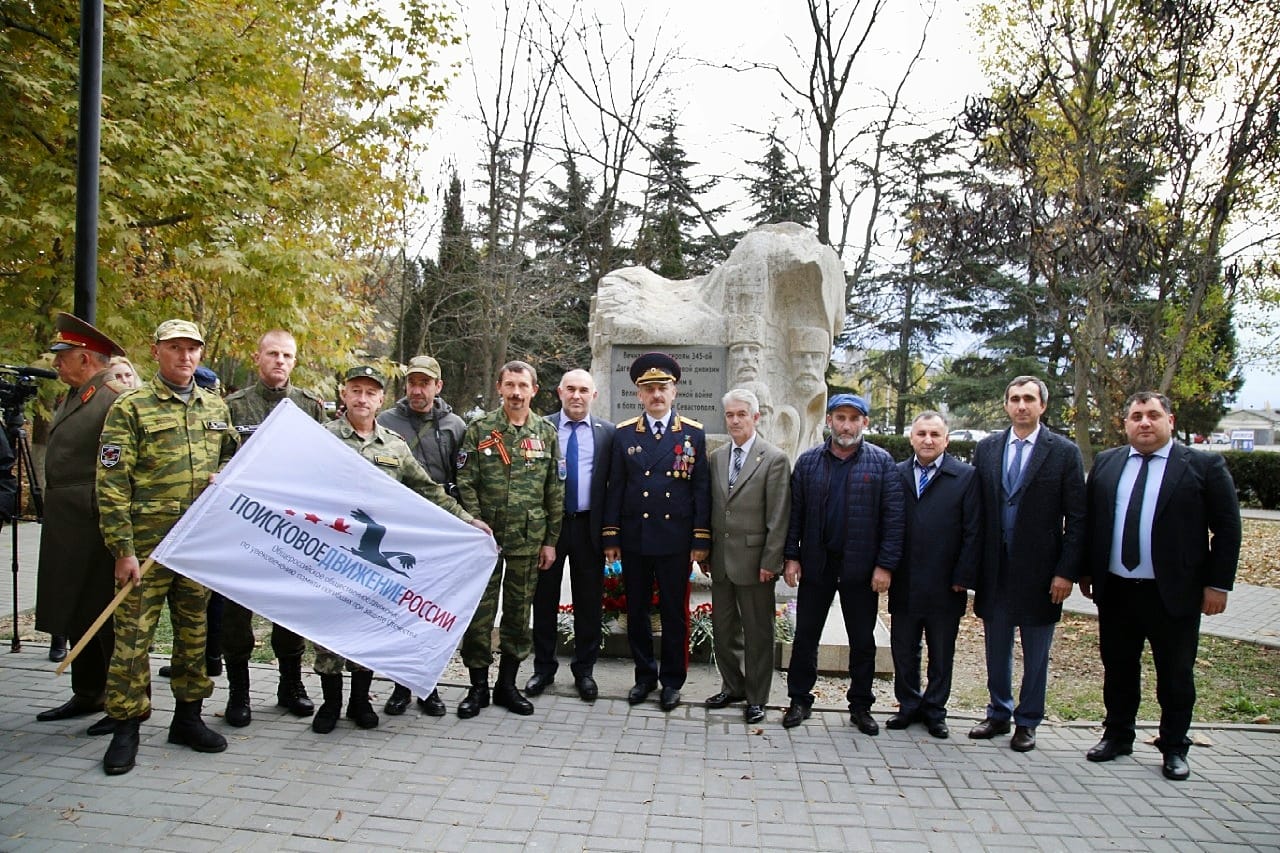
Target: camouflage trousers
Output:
[(129, 676), (331, 663), (238, 640), (515, 638)]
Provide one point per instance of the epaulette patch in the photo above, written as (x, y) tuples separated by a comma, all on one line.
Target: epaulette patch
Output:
[(629, 422), (691, 422)]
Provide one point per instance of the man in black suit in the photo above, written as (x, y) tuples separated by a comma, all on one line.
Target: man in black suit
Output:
[(1163, 542), (657, 519), (940, 562), (586, 444), (1033, 510)]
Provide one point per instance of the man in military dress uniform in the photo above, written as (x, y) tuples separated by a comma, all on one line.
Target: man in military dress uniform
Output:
[(434, 434), (657, 519), (76, 569), (160, 446), (275, 358), (362, 395), (509, 476)]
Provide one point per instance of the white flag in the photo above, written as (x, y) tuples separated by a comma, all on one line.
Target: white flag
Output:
[(306, 532)]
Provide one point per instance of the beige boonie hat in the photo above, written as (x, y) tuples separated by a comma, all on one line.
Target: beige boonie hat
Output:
[(425, 365)]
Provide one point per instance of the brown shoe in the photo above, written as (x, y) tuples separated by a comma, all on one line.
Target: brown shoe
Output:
[(989, 728)]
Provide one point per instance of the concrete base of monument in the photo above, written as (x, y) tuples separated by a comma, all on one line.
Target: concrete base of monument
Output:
[(833, 650)]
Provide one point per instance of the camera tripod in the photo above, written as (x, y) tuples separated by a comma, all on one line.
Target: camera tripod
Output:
[(15, 435)]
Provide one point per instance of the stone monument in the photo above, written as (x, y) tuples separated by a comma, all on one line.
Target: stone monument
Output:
[(763, 320)]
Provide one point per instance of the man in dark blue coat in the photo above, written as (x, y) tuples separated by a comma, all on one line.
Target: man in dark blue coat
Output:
[(657, 519), (940, 562), (1163, 543), (846, 532), (1032, 543)]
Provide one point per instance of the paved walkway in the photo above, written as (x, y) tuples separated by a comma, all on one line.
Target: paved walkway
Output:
[(609, 777)]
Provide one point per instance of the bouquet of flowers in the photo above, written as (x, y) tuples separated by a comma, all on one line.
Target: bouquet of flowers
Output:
[(701, 631)]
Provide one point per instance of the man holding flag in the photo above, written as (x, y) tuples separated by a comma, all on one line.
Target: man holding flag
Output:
[(362, 396), (160, 446)]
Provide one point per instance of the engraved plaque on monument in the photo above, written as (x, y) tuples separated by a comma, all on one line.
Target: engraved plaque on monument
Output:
[(702, 382)]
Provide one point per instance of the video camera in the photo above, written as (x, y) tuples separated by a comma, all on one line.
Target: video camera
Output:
[(17, 386)]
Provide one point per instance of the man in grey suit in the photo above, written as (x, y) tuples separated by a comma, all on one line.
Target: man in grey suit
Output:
[(939, 563), (1033, 509), (750, 510), (587, 444)]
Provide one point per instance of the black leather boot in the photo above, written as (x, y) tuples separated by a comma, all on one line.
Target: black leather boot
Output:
[(123, 749), (478, 696), (398, 701), (327, 715), (189, 730), (505, 693), (238, 712), (359, 709), (291, 693)]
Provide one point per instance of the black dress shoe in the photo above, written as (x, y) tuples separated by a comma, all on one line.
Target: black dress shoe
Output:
[(900, 720), (539, 682), (1023, 740), (398, 702), (938, 729), (76, 706), (861, 717), (753, 714), (588, 690), (1109, 747), (57, 649), (105, 726), (640, 692), (1175, 767), (723, 700), (670, 699), (165, 671), (989, 728), (797, 713), (433, 705)]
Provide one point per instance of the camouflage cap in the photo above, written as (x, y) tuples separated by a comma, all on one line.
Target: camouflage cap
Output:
[(365, 371), (170, 329), (425, 365)]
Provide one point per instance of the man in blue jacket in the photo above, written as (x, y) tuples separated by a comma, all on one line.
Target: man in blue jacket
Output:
[(846, 532)]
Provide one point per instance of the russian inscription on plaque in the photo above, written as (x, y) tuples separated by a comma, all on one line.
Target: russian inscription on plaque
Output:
[(702, 382)]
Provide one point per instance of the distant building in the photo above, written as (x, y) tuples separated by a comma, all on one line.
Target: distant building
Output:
[(1263, 422)]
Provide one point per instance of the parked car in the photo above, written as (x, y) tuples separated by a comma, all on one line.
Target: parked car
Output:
[(968, 434), (1220, 438)]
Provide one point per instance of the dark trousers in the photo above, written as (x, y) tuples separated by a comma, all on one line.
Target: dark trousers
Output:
[(586, 579), (939, 630), (671, 572), (1130, 613), (858, 605), (89, 669), (238, 640)]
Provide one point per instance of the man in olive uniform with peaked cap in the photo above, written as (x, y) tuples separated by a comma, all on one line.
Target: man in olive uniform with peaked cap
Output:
[(509, 475), (658, 520), (160, 446), (362, 395), (275, 358), (76, 569)]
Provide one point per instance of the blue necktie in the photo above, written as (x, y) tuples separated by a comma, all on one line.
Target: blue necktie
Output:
[(1015, 468), (571, 469), (924, 479)]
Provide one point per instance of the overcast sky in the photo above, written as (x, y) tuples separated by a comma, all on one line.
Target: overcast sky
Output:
[(718, 109)]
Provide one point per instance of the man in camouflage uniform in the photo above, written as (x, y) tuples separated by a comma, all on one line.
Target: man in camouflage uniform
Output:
[(76, 569), (362, 395), (160, 446), (275, 358), (508, 476), (434, 434)]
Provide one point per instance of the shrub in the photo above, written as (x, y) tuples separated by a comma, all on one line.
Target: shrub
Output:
[(1257, 477)]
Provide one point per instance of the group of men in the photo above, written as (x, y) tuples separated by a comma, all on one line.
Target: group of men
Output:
[(1154, 537)]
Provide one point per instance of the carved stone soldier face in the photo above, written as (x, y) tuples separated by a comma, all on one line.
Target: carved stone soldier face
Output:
[(744, 362)]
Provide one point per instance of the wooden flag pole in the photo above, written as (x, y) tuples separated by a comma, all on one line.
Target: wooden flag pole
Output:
[(102, 618)]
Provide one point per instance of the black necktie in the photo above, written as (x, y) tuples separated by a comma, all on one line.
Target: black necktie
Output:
[(1130, 552), (657, 430)]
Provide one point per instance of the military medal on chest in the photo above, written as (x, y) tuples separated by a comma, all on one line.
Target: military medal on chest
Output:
[(532, 448), (682, 467)]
